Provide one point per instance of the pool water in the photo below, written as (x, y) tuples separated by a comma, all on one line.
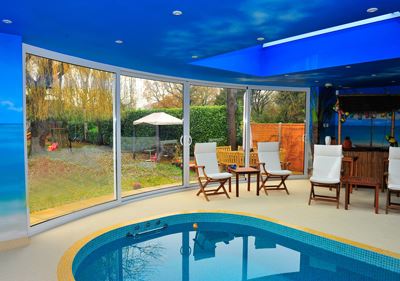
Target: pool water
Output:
[(220, 251)]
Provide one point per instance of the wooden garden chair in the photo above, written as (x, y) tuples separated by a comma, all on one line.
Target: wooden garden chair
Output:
[(271, 167), (327, 167), (208, 171), (393, 179)]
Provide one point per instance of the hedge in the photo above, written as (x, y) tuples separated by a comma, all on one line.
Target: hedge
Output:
[(207, 123)]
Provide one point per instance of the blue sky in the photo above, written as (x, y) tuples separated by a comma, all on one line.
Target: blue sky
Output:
[(11, 98)]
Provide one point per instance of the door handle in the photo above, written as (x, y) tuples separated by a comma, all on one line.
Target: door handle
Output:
[(190, 140), (181, 140)]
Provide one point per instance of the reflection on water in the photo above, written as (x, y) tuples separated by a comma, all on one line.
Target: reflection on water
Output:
[(220, 252)]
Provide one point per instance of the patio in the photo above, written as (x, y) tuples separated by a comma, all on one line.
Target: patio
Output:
[(291, 209)]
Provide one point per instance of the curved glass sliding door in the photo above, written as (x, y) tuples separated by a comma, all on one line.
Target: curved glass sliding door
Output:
[(216, 115), (151, 130), (69, 120), (279, 116)]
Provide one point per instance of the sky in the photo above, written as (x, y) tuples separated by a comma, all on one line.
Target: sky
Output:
[(11, 98)]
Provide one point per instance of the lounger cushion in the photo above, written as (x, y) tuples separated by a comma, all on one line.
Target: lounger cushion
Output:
[(324, 180), (394, 186), (394, 167), (206, 155), (279, 172), (219, 176), (327, 163)]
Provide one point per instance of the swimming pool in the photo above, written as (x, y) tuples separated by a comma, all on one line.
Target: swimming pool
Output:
[(221, 246)]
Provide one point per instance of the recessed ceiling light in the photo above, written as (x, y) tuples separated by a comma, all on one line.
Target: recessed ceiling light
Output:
[(195, 57), (119, 41), (348, 66), (286, 75), (328, 85), (260, 38), (373, 75), (316, 81), (372, 10), (177, 13), (393, 81), (7, 21)]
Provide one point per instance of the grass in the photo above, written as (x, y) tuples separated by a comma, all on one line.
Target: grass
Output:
[(66, 176)]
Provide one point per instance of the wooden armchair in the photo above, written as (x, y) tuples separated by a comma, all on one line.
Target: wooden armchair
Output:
[(207, 170), (393, 178), (327, 166), (271, 167)]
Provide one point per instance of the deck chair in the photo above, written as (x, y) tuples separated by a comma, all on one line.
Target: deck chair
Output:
[(271, 166), (393, 179), (208, 171), (326, 172)]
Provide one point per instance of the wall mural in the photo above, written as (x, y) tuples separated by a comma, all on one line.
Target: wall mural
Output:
[(12, 171), (365, 129)]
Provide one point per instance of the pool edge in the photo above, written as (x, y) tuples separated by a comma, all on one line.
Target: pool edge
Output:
[(64, 268)]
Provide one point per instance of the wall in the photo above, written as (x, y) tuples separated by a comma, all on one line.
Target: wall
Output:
[(13, 221)]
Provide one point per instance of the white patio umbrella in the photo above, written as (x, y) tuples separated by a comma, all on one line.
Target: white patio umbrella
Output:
[(158, 119)]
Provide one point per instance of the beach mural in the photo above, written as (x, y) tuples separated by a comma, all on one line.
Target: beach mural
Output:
[(365, 129), (13, 221)]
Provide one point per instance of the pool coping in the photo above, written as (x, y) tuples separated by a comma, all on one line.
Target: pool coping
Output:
[(64, 268)]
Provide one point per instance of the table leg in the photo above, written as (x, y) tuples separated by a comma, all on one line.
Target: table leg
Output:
[(346, 200), (258, 184), (248, 182), (377, 199), (237, 185), (351, 174)]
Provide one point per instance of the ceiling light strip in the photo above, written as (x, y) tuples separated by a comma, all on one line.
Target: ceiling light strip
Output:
[(332, 29)]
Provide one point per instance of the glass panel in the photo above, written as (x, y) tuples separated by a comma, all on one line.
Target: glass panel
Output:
[(216, 115), (70, 134), (280, 116), (151, 127)]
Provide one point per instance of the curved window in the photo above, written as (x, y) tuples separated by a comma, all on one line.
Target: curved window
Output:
[(69, 117)]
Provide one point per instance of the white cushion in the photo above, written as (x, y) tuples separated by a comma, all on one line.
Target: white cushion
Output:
[(219, 176), (206, 155), (279, 172), (394, 167), (324, 180), (268, 153), (394, 186), (327, 163)]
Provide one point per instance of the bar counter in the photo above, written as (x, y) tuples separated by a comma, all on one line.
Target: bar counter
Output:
[(369, 163)]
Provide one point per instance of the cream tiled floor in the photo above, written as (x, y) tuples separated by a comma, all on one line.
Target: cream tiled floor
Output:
[(38, 261)]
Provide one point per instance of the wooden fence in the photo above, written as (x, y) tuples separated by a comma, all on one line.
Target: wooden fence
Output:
[(290, 136)]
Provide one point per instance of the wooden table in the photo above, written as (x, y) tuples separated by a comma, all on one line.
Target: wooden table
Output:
[(248, 172), (351, 160), (364, 181)]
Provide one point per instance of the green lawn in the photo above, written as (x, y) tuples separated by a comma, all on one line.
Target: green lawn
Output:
[(63, 176)]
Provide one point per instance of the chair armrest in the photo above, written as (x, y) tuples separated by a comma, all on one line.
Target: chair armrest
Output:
[(263, 166), (285, 165), (203, 169)]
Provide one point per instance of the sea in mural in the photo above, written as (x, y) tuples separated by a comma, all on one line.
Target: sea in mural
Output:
[(12, 186), (365, 132)]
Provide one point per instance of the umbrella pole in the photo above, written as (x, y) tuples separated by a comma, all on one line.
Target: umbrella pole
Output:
[(134, 143), (158, 142)]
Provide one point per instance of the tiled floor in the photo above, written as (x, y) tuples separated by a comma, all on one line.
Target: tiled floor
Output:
[(38, 261)]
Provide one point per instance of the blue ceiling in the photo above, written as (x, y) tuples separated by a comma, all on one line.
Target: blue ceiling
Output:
[(156, 41)]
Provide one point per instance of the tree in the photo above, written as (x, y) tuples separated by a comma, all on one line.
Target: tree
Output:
[(231, 108), (163, 94), (291, 107), (259, 101), (59, 93), (201, 96)]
